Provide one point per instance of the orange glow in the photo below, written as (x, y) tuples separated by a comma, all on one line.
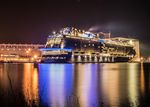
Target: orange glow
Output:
[(29, 49), (30, 84), (142, 82), (35, 56)]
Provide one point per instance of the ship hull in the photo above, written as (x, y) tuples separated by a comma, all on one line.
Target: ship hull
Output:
[(56, 59), (81, 59)]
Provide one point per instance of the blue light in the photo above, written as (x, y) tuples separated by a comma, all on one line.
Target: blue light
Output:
[(88, 35), (67, 30), (52, 49), (102, 41), (55, 83)]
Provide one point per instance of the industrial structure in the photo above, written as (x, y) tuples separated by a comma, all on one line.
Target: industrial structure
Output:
[(20, 52), (72, 45)]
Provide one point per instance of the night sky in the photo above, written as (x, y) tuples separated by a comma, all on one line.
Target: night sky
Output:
[(33, 21)]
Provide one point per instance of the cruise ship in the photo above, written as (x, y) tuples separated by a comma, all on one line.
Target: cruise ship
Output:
[(72, 45)]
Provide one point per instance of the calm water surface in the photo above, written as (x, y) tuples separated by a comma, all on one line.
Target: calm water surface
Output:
[(75, 85)]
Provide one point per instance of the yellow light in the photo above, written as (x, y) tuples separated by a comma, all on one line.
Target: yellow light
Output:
[(29, 49), (62, 45), (131, 42), (54, 32), (142, 58), (35, 56), (79, 58)]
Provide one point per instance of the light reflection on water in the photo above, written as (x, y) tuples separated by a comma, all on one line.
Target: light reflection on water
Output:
[(73, 85), (142, 82), (30, 84), (133, 83), (56, 80), (86, 85), (110, 83)]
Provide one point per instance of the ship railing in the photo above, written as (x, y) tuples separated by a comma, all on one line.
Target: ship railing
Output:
[(83, 38), (120, 44)]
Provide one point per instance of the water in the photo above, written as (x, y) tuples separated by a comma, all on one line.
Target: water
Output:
[(75, 85)]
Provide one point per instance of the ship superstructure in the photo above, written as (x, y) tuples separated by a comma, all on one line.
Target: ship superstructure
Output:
[(72, 45)]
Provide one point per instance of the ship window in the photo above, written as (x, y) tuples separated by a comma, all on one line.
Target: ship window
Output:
[(57, 41), (2, 46), (82, 52)]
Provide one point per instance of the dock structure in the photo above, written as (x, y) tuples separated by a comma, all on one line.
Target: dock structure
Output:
[(20, 52)]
